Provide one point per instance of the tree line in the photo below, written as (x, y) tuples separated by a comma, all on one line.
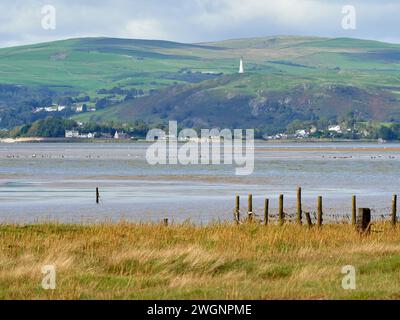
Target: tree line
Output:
[(55, 127)]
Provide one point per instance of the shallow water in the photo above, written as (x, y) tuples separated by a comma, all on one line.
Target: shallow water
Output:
[(44, 181)]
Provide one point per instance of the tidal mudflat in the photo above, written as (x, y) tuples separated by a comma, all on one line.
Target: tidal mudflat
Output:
[(57, 181)]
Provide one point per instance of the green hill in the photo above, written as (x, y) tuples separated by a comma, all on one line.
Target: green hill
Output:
[(286, 78)]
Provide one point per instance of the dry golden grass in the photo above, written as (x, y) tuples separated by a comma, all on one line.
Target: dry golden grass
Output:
[(221, 261)]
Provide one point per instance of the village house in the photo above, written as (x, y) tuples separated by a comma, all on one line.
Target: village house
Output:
[(87, 135), (335, 128), (301, 134), (71, 134), (121, 135), (313, 129), (52, 108), (76, 135), (80, 108), (279, 136)]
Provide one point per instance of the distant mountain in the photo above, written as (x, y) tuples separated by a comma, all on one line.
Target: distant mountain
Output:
[(286, 78)]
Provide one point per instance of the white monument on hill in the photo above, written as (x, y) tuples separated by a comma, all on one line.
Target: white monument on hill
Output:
[(241, 66)]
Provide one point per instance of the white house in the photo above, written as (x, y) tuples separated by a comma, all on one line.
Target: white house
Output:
[(52, 108), (121, 135), (302, 133), (38, 110), (313, 129), (71, 134), (335, 128), (79, 108)]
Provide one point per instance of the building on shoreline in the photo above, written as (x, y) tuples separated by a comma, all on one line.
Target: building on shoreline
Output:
[(71, 134), (335, 128), (74, 134), (121, 136)]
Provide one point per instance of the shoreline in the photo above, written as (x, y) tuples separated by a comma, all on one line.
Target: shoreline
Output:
[(142, 140)]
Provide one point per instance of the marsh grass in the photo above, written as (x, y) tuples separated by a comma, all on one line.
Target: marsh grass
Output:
[(219, 261)]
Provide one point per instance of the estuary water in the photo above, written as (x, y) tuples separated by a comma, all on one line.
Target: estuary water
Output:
[(57, 181)]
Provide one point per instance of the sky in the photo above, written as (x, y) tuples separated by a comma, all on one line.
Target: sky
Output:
[(192, 21)]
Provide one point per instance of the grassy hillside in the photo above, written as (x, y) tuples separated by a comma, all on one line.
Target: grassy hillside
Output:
[(286, 78), (221, 261)]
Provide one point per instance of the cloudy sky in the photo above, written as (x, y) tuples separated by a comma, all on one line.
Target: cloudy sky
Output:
[(196, 20)]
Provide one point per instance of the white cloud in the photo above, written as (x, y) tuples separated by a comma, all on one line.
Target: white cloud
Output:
[(287, 13)]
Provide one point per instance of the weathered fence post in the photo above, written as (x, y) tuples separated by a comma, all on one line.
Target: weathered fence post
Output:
[(281, 214), (354, 211), (97, 196), (364, 220), (266, 209), (394, 210), (237, 210), (319, 213), (299, 209), (308, 218), (250, 205)]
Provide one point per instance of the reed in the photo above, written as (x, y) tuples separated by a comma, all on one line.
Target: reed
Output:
[(185, 261)]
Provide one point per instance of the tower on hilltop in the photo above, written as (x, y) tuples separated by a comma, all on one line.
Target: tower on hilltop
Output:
[(241, 66)]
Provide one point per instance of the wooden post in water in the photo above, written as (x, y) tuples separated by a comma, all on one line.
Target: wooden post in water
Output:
[(97, 196), (364, 220), (299, 209), (354, 211), (237, 210), (308, 218), (250, 205), (394, 210), (266, 209), (281, 214), (319, 213)]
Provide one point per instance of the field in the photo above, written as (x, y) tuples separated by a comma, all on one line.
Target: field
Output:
[(220, 261), (90, 64), (286, 78)]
